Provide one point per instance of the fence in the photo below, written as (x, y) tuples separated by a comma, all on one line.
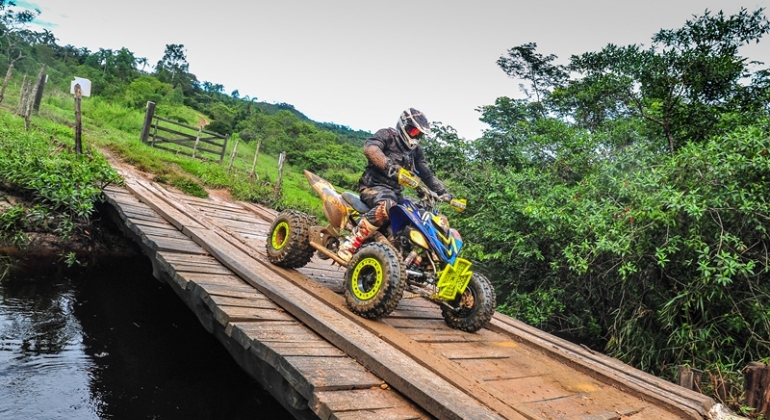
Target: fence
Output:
[(181, 138)]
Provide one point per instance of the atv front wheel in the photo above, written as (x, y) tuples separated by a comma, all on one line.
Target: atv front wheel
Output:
[(374, 281), (474, 308), (288, 243)]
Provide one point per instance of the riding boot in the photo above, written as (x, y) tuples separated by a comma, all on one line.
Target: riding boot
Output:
[(350, 245)]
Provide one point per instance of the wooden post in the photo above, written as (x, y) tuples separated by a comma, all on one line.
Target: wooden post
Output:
[(756, 384), (78, 122), (148, 121), (39, 94), (224, 148), (30, 102), (252, 174), (232, 157), (281, 161), (197, 140), (155, 132), (22, 97), (689, 378)]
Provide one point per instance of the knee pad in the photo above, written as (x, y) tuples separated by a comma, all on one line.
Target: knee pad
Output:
[(378, 215)]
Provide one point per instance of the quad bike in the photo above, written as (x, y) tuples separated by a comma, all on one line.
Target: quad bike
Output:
[(417, 252)]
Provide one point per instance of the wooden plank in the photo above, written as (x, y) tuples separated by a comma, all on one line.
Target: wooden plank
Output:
[(382, 414), (226, 314), (205, 202), (492, 369), (200, 268), (611, 371), (165, 232), (585, 407), (228, 279), (361, 404), (532, 388), (262, 212), (138, 209), (258, 301), (135, 217), (175, 245), (160, 223), (327, 374), (190, 258), (285, 332), (195, 129), (313, 348), (431, 335), (472, 350)]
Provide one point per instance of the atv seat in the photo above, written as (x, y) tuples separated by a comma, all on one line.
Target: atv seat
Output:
[(355, 201)]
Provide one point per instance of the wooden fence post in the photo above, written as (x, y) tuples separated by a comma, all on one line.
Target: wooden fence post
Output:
[(39, 95), (689, 378), (22, 97), (232, 156), (756, 383), (30, 102), (224, 148), (252, 174), (281, 161), (197, 140), (148, 121), (78, 122)]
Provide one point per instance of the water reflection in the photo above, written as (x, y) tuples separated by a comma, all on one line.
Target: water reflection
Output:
[(114, 343)]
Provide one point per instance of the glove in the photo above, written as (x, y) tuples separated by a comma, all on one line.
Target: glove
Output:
[(446, 197), (393, 169)]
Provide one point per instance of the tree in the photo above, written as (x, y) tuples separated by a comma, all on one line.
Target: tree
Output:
[(524, 63), (124, 65), (682, 85), (627, 204), (13, 36), (174, 63), (143, 61)]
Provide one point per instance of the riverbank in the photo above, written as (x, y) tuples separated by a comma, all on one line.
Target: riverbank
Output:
[(89, 242)]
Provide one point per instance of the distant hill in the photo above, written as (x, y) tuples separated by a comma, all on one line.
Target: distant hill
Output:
[(345, 133)]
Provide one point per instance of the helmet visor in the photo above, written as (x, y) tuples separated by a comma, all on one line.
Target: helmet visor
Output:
[(414, 132)]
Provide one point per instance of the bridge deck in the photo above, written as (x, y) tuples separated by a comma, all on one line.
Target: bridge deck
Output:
[(291, 331)]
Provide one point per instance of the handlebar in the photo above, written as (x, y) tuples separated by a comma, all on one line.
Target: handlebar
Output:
[(408, 179)]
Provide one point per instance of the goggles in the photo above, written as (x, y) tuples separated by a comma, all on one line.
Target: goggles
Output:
[(414, 132)]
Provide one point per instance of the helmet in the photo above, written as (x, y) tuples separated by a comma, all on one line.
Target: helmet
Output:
[(411, 126)]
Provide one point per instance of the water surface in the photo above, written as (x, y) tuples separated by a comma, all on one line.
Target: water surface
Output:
[(111, 342)]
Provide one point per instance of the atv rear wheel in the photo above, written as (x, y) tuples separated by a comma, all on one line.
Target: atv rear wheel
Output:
[(474, 308), (288, 243), (374, 281)]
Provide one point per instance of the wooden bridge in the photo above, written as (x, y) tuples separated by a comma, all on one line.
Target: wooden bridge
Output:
[(291, 331)]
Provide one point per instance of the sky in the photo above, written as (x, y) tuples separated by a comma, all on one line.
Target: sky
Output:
[(360, 63)]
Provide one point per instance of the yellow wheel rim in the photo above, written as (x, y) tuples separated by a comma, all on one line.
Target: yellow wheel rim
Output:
[(280, 234), (366, 279)]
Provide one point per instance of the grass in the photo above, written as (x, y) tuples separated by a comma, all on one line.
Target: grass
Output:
[(117, 128)]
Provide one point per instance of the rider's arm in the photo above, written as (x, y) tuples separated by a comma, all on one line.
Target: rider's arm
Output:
[(375, 155), (374, 150)]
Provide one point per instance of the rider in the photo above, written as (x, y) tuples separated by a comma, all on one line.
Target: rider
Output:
[(387, 151)]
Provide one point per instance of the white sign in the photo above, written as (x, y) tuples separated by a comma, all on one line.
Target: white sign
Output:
[(85, 86)]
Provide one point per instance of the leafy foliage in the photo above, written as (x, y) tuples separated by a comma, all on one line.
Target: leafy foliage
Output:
[(627, 204), (62, 187)]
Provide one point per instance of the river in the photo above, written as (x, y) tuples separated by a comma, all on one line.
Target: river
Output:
[(111, 342)]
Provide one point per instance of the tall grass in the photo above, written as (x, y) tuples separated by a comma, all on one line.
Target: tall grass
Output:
[(116, 127)]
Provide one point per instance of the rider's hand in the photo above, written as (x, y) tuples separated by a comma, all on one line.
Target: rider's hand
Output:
[(446, 197), (393, 170)]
